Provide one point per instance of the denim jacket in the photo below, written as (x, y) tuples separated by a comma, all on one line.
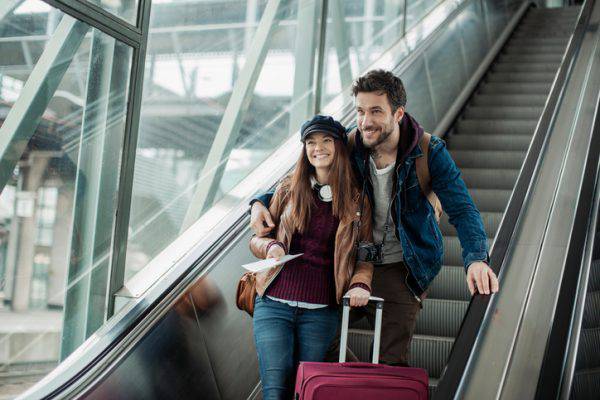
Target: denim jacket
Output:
[(414, 218)]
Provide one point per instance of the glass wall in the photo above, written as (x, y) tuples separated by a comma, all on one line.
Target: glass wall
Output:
[(190, 153), (63, 105), (225, 83)]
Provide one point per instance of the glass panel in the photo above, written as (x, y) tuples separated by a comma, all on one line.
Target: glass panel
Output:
[(446, 68), (418, 98), (194, 61), (417, 9), (126, 9), (62, 145), (496, 16), (472, 31)]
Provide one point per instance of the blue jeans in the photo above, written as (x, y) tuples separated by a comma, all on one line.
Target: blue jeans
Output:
[(285, 335)]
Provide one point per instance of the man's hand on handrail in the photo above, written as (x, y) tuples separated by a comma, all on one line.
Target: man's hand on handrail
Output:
[(261, 221)]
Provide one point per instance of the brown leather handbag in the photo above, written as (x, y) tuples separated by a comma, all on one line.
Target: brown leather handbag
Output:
[(246, 291)]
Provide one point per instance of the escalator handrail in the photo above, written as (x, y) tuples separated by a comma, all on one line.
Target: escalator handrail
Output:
[(561, 350), (479, 307)]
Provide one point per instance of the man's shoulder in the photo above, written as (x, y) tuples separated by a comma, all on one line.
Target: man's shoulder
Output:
[(436, 142)]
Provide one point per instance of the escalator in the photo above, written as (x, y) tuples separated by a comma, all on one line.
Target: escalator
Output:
[(488, 142), (184, 338), (586, 380)]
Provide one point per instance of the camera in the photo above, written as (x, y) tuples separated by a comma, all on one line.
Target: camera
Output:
[(370, 252)]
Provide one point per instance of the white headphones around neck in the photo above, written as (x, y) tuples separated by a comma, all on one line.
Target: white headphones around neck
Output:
[(324, 191)]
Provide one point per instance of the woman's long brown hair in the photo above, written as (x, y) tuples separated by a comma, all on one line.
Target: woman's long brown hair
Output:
[(341, 180)]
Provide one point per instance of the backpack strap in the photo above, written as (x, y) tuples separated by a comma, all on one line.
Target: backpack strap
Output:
[(424, 178)]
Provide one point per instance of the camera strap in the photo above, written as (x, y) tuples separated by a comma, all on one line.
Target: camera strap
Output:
[(362, 204)]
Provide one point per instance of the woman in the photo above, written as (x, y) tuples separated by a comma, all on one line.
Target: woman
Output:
[(316, 212)]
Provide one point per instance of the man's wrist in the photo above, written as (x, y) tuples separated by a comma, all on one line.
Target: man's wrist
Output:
[(252, 203), (276, 243)]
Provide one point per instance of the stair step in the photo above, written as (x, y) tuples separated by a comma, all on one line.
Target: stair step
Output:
[(483, 178), (559, 29), (594, 279), (488, 159), (525, 67), (591, 311), (588, 354), (478, 112), (526, 77), (490, 142), (495, 127), (586, 384), (441, 317), (427, 352), (558, 35), (491, 221), (531, 58), (509, 100), (547, 49), (450, 284), (547, 41), (453, 251), (515, 88)]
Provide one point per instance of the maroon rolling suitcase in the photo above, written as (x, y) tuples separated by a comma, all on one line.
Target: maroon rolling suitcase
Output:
[(360, 381)]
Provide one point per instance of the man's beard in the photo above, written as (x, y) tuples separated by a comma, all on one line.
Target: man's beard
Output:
[(385, 134)]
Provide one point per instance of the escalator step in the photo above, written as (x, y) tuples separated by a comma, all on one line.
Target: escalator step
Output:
[(522, 49), (477, 112), (489, 142), (450, 284), (488, 159), (594, 280), (525, 67), (588, 353), (539, 42), (558, 35), (480, 178), (591, 311), (453, 251), (428, 352), (495, 127), (533, 77), (509, 100), (491, 221), (531, 58), (515, 88), (440, 317), (490, 200), (586, 384)]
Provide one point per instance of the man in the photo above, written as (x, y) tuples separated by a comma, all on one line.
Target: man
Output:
[(385, 148)]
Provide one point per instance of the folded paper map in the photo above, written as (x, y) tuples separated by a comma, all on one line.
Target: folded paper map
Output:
[(269, 263)]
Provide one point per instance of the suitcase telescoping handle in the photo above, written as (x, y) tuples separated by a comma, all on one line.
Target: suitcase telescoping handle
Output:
[(346, 319)]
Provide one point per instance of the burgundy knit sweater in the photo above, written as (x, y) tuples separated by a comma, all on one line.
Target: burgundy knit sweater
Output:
[(310, 278)]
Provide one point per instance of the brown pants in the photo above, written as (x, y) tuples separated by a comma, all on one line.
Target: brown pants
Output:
[(400, 312)]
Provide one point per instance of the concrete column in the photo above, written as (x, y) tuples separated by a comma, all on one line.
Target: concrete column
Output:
[(32, 176), (61, 245), (11, 255)]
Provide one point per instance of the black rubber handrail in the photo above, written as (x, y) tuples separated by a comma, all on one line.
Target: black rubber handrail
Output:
[(478, 307)]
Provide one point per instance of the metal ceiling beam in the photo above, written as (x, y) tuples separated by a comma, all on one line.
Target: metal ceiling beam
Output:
[(307, 39), (212, 172), (7, 7), (22, 120)]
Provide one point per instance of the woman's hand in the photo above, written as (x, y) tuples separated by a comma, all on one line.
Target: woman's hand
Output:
[(276, 251), (358, 297)]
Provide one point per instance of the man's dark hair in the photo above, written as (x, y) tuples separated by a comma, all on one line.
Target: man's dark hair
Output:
[(382, 81)]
